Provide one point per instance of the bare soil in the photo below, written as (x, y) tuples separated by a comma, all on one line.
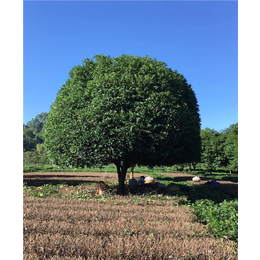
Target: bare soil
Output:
[(105, 176), (112, 227), (124, 228), (75, 178), (40, 178)]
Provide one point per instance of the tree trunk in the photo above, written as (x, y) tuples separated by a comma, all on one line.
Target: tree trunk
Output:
[(230, 171), (121, 186), (121, 173)]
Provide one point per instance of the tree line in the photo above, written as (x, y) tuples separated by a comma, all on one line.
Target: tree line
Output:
[(33, 132), (33, 140), (218, 149)]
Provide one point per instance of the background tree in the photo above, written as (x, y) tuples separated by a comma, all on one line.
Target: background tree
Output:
[(36, 156), (29, 139), (219, 149), (212, 145), (34, 151), (37, 123), (33, 132), (231, 147), (125, 110)]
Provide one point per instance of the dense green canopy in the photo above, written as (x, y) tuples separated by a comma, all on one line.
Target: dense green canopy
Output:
[(219, 149), (125, 110)]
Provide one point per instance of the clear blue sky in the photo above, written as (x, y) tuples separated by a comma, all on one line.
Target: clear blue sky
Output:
[(198, 38)]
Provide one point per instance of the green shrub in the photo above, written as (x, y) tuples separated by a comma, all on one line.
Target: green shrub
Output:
[(45, 190), (221, 218)]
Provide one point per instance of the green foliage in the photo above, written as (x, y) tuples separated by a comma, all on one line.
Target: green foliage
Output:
[(33, 132), (37, 123), (29, 139), (44, 190), (125, 110), (212, 149), (221, 218), (231, 147), (37, 156), (33, 147), (219, 149)]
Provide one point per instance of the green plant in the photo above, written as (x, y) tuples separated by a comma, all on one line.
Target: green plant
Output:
[(44, 191), (36, 157), (221, 218)]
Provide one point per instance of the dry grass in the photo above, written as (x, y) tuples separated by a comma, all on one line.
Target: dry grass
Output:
[(115, 227)]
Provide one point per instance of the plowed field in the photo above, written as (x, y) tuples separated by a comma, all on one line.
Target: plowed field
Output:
[(112, 227)]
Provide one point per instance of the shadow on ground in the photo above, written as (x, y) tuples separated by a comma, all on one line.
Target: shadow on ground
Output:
[(217, 193), (41, 182), (56, 176)]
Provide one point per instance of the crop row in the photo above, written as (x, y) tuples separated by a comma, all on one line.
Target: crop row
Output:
[(115, 227)]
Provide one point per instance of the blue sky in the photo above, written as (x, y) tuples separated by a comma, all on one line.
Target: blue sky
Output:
[(198, 38)]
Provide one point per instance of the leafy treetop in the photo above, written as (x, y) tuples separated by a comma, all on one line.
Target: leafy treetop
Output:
[(125, 110)]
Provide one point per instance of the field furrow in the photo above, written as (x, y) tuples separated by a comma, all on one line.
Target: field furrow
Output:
[(124, 228)]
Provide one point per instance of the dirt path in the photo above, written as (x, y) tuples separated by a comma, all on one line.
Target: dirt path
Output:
[(75, 178), (228, 187), (71, 176), (106, 176)]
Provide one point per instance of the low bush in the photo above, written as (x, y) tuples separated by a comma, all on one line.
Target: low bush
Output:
[(221, 218), (44, 190)]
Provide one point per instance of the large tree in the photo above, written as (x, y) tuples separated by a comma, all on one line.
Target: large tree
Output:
[(125, 110)]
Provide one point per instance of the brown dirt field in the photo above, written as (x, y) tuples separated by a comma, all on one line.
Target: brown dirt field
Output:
[(38, 179), (105, 176), (112, 227), (45, 177), (121, 228)]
